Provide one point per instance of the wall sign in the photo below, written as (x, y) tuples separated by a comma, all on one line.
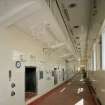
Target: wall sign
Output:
[(41, 74)]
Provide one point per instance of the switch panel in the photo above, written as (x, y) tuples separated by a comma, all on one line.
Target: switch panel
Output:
[(13, 85), (13, 93), (10, 75)]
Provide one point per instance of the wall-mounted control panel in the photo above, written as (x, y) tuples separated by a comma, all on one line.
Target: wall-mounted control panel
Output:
[(13, 85), (12, 93)]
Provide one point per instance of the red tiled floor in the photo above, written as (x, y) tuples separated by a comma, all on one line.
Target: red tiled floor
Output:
[(67, 95), (29, 95)]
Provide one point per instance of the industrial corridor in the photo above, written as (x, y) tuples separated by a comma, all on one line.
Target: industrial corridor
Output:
[(73, 92), (52, 52)]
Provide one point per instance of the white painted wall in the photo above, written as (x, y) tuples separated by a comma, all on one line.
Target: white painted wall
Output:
[(13, 43), (70, 69), (97, 78), (94, 57), (103, 50)]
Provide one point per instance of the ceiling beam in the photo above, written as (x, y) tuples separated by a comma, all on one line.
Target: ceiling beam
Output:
[(19, 12), (57, 45)]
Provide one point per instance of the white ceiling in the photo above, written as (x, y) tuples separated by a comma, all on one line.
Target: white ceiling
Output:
[(36, 19), (79, 16), (43, 27), (7, 6)]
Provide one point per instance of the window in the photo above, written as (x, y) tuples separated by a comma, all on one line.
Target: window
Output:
[(100, 45), (94, 57), (91, 61)]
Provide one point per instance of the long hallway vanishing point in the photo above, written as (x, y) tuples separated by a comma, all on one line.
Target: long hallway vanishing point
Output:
[(73, 92), (52, 52)]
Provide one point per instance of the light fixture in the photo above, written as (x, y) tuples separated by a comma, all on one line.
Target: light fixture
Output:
[(72, 5), (78, 44), (77, 37), (79, 48), (94, 12), (76, 26)]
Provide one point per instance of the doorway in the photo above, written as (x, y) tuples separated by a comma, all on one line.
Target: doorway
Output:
[(30, 82), (55, 76), (63, 74)]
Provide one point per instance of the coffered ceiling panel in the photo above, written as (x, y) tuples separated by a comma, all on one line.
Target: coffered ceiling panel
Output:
[(63, 26), (41, 25)]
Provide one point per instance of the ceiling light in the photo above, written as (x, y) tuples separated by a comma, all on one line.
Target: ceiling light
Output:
[(72, 5), (76, 26), (78, 44), (94, 12), (82, 65), (77, 37)]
